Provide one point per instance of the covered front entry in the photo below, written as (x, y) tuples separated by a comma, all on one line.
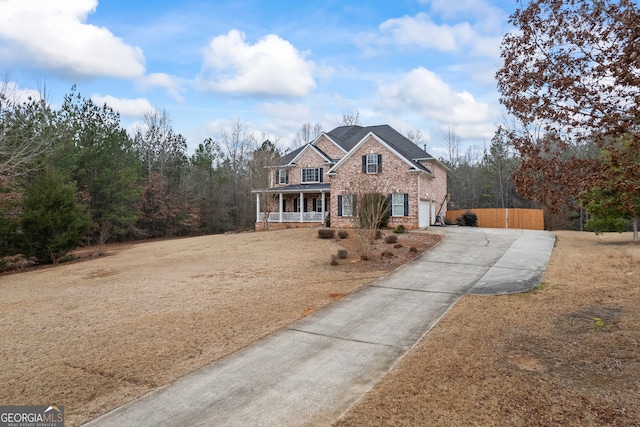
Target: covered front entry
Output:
[(296, 204)]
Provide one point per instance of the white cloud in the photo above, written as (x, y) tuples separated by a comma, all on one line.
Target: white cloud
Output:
[(424, 93), (272, 66), (15, 94), (421, 31), (126, 107), (486, 16), (170, 84), (54, 35)]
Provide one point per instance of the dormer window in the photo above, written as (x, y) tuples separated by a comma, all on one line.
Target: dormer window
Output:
[(372, 163)]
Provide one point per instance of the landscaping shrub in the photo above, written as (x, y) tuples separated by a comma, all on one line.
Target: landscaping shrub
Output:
[(391, 238), (326, 233), (386, 254), (399, 229), (397, 245), (468, 219), (378, 234), (413, 249), (342, 253), (334, 260), (343, 234)]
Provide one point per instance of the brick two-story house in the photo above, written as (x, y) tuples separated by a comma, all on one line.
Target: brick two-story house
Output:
[(325, 178)]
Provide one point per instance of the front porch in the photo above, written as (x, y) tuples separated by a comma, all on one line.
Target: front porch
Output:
[(292, 206)]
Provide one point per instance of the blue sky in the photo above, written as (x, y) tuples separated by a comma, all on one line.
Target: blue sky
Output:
[(423, 65)]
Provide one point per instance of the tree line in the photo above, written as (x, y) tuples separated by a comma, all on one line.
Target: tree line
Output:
[(73, 175)]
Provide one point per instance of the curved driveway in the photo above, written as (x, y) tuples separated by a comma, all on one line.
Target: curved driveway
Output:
[(311, 372)]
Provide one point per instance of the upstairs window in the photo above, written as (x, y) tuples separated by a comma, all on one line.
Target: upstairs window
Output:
[(372, 163), (310, 175), (282, 176)]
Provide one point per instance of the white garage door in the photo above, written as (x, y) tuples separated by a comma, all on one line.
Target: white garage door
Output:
[(423, 213)]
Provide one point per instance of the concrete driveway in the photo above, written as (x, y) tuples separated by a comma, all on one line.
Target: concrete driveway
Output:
[(311, 372)]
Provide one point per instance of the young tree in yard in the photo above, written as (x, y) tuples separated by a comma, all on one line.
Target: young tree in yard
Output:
[(573, 69), (53, 222), (370, 209)]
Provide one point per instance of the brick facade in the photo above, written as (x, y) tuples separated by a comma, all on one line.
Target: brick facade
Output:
[(401, 173), (393, 179)]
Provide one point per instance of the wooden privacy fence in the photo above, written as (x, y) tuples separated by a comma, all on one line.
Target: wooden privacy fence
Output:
[(529, 219)]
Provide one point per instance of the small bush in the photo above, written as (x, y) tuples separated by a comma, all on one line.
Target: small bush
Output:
[(468, 219), (342, 253), (343, 234), (397, 245), (325, 233), (378, 234), (387, 254), (391, 238), (364, 258), (399, 229), (334, 260), (413, 249)]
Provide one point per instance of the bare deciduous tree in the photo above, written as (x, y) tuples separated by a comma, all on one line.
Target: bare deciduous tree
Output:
[(452, 141), (417, 138), (307, 133), (350, 118), (25, 130)]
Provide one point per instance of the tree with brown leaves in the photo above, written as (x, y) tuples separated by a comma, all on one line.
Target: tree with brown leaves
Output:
[(572, 70)]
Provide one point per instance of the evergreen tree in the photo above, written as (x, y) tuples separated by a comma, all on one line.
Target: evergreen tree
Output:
[(103, 164), (53, 222)]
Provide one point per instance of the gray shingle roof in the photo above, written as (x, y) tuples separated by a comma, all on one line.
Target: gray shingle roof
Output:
[(348, 136)]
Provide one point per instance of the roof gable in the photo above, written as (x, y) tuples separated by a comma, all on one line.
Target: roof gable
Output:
[(330, 139), (352, 137), (290, 159)]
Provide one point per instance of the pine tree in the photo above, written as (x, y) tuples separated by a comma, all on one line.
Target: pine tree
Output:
[(53, 222)]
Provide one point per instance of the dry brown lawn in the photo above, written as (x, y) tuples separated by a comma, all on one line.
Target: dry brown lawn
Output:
[(94, 335), (565, 354)]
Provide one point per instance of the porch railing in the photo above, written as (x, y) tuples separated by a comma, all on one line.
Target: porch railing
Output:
[(295, 216)]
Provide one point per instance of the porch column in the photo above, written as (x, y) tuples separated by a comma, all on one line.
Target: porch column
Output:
[(323, 206), (300, 202), (257, 207), (280, 207)]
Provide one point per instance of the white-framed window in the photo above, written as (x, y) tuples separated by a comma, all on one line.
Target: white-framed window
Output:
[(397, 205), (347, 204), (311, 175), (372, 163), (283, 176)]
